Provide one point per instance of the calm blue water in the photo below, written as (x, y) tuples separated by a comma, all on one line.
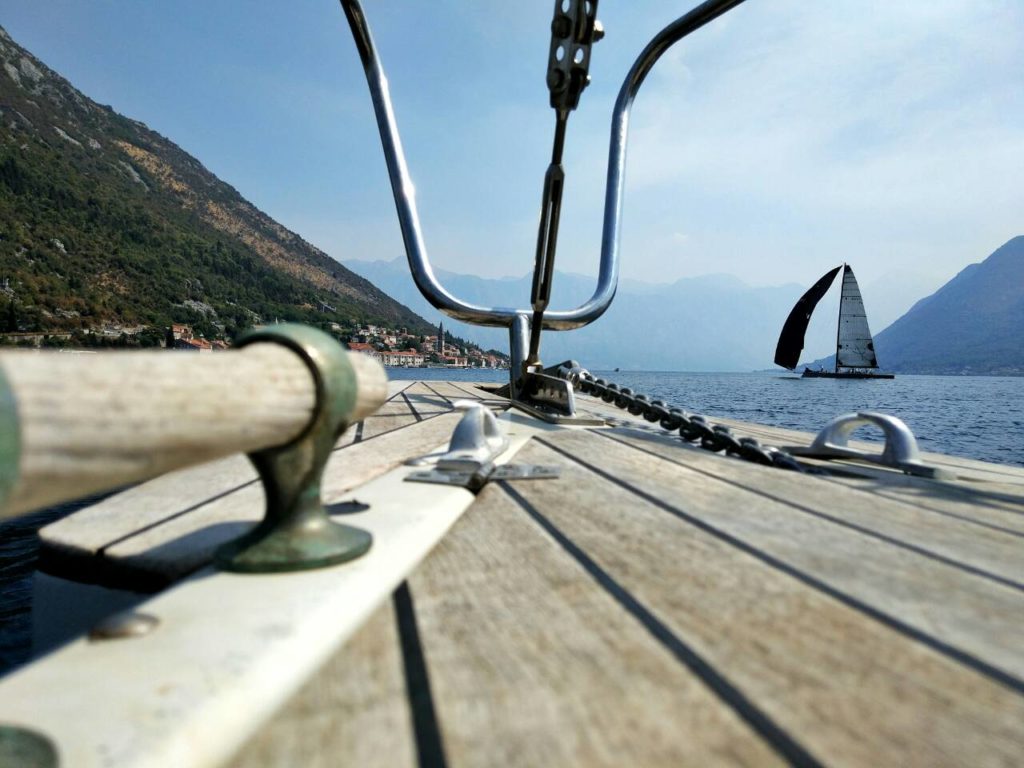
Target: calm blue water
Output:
[(979, 417)]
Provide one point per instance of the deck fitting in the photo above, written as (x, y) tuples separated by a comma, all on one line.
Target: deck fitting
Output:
[(24, 748), (123, 625), (296, 534), (900, 450)]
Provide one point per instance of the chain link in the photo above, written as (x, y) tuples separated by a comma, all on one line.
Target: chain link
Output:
[(691, 427)]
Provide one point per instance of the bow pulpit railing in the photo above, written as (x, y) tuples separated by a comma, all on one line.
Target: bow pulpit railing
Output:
[(574, 30)]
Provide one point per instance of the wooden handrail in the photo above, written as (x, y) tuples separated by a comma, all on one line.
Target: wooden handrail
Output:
[(87, 423)]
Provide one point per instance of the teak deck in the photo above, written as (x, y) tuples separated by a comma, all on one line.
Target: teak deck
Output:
[(656, 605)]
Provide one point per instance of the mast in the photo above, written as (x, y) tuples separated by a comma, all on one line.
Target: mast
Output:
[(839, 321)]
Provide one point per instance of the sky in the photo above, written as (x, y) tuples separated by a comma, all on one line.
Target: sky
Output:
[(778, 141)]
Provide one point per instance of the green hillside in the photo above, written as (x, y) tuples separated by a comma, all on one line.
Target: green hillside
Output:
[(105, 224)]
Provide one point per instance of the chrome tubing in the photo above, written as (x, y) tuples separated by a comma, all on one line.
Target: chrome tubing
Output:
[(405, 196)]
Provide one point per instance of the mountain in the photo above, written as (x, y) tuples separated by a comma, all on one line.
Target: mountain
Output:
[(708, 323), (974, 324), (106, 223)]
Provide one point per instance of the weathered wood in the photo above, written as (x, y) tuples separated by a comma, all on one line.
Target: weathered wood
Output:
[(985, 549), (849, 686), (126, 542), (964, 606), (975, 504), (658, 604), (532, 663), (451, 390), (394, 414), (989, 493), (90, 423), (230, 649), (970, 469), (353, 712), (425, 401)]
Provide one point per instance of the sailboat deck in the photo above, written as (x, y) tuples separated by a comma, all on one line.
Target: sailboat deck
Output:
[(656, 605)]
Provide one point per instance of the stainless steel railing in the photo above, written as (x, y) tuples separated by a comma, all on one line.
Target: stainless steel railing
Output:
[(519, 320)]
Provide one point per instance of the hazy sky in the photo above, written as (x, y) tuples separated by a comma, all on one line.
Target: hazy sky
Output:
[(778, 141)]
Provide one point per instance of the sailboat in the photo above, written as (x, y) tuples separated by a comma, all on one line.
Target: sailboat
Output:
[(855, 349)]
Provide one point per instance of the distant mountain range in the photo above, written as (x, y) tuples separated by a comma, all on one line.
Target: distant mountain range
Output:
[(714, 322), (105, 222), (974, 324)]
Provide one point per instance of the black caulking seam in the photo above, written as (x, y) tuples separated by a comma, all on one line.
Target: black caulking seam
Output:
[(400, 392), (962, 657), (927, 553), (784, 744), (438, 394), (412, 408), (429, 744)]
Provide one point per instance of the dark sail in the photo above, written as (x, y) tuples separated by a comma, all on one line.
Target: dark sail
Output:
[(791, 340)]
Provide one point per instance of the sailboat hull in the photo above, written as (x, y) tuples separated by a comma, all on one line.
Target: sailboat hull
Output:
[(809, 374)]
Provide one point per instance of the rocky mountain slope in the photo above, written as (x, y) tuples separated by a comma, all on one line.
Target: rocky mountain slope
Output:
[(974, 324), (106, 223)]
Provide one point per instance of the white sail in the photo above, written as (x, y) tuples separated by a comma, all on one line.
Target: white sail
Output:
[(854, 347)]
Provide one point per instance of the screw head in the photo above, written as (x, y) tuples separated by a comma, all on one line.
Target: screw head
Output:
[(25, 748), (123, 625)]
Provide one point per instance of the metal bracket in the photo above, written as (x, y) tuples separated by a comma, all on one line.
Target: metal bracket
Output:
[(552, 399), (474, 480), (476, 441), (900, 450), (296, 533), (469, 461), (573, 30)]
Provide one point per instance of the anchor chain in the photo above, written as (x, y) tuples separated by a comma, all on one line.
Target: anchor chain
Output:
[(692, 428)]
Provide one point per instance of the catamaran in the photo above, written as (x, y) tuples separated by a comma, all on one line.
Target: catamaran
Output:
[(855, 349)]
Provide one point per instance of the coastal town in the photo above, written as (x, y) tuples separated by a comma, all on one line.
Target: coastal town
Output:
[(400, 349), (396, 348)]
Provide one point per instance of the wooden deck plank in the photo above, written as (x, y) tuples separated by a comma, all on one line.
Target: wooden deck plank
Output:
[(994, 486), (394, 414), (1006, 473), (977, 505), (425, 401), (149, 557), (985, 549), (453, 390), (353, 712), (532, 663), (972, 613), (851, 686), (998, 503), (397, 385), (1009, 474)]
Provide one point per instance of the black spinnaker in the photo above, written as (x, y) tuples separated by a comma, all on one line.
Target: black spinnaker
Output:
[(791, 340)]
